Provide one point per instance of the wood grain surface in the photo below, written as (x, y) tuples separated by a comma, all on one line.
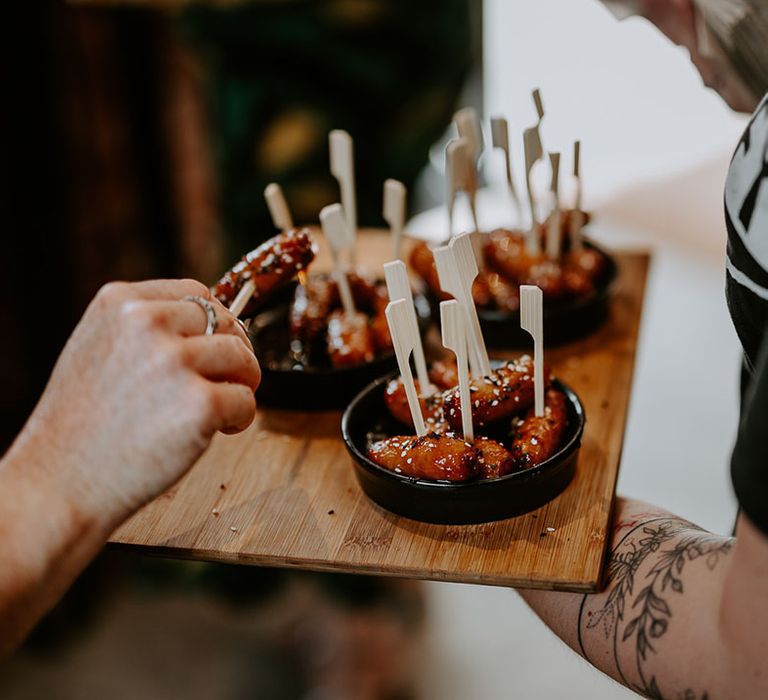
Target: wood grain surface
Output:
[(283, 493)]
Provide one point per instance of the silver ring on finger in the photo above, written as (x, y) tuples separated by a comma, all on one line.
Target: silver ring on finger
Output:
[(210, 312)]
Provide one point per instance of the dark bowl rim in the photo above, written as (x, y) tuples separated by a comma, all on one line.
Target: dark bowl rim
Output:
[(380, 361), (572, 445)]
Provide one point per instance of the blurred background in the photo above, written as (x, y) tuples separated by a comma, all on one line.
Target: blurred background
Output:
[(136, 140)]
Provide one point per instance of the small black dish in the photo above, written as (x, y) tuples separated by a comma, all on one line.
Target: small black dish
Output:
[(564, 321), (445, 502), (289, 381)]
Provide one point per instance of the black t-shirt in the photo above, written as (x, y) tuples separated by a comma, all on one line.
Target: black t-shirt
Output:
[(746, 215)]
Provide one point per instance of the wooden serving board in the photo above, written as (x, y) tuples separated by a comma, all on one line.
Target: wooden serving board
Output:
[(283, 493)]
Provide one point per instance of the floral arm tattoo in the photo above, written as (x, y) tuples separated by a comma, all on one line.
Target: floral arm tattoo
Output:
[(648, 572)]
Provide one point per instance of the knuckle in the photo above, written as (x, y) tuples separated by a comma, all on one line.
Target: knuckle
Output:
[(137, 316), (196, 288), (112, 292)]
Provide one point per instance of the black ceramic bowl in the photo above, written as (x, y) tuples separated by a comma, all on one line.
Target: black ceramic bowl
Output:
[(447, 502), (311, 383), (564, 321)]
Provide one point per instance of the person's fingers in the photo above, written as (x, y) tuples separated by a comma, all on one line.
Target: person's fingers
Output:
[(188, 318), (233, 406), (236, 326), (222, 358), (154, 289)]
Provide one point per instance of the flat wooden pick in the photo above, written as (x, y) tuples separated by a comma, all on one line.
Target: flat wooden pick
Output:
[(394, 212), (450, 283), (455, 339), (399, 287), (538, 103), (468, 126), (343, 169), (334, 225), (533, 153), (461, 173), (531, 320), (577, 221), (500, 139), (553, 225), (466, 267), (243, 297), (404, 341), (278, 207)]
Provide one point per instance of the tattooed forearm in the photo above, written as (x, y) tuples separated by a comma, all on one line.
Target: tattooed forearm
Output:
[(646, 581), (684, 614)]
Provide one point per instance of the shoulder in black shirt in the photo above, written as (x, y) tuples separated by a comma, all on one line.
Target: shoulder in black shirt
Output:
[(746, 214)]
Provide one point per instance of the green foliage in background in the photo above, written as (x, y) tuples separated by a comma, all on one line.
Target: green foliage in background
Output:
[(283, 74)]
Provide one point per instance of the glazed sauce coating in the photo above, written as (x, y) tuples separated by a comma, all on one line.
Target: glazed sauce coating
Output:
[(538, 438), (437, 457), (350, 341), (495, 459), (270, 266), (504, 252), (423, 263), (379, 326), (506, 392), (444, 374), (312, 302), (505, 295), (396, 402), (507, 264)]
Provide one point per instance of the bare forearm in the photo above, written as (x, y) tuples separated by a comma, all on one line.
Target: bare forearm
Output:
[(658, 627), (46, 539)]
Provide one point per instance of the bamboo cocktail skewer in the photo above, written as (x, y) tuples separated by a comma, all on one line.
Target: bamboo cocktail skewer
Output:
[(454, 337), (343, 169), (533, 153), (334, 225), (399, 287), (404, 340), (394, 212), (531, 320), (576, 239), (500, 139), (554, 231), (281, 218)]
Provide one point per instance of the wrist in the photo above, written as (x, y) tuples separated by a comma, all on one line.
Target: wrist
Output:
[(49, 490)]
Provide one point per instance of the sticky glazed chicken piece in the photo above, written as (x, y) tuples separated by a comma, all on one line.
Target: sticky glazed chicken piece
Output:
[(481, 292), (505, 295), (506, 392), (350, 341), (444, 374), (396, 401), (312, 303), (587, 260), (538, 438), (495, 459), (548, 276), (379, 326), (365, 291), (270, 266), (582, 270), (570, 218), (576, 283), (504, 252), (436, 457), (422, 261)]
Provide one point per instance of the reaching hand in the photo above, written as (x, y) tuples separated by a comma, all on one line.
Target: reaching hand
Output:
[(138, 393)]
